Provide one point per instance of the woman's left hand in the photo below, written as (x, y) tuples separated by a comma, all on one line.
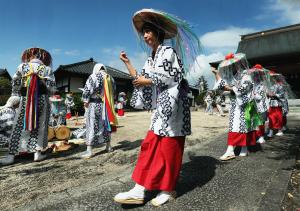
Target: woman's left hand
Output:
[(142, 81)]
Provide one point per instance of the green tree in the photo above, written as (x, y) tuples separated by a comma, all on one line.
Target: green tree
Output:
[(5, 90), (203, 87), (5, 83)]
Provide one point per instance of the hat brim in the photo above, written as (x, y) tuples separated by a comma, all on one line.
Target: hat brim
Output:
[(237, 57), (157, 18)]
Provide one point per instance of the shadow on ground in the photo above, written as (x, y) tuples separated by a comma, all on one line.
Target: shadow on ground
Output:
[(196, 173), (128, 145)]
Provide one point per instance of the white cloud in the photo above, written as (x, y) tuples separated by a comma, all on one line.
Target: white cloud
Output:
[(202, 68), (56, 51), (224, 40), (217, 43), (72, 53), (282, 11), (289, 10)]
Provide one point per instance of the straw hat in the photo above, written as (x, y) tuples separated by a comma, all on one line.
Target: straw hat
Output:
[(231, 59), (157, 18), (38, 53)]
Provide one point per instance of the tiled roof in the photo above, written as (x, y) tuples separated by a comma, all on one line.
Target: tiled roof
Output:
[(4, 73), (86, 68), (274, 42)]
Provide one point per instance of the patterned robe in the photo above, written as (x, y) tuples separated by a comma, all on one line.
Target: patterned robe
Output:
[(6, 124), (167, 95), (208, 100), (96, 132), (279, 95), (69, 102), (57, 114), (242, 94), (35, 140), (261, 100)]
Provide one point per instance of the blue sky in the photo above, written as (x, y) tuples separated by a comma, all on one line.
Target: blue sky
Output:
[(75, 30)]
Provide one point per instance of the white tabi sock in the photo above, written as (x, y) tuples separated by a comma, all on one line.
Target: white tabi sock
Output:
[(244, 151), (87, 153), (270, 134), (230, 150), (137, 192), (162, 198)]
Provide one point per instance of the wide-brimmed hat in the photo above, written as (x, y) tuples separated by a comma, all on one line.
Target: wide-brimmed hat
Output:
[(55, 98), (232, 58), (158, 19), (38, 53)]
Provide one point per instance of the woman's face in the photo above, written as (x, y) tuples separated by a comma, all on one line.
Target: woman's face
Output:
[(150, 38)]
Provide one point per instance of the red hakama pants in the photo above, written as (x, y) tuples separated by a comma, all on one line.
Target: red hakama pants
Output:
[(275, 118), (68, 116), (120, 112), (241, 139), (261, 131), (284, 121), (159, 162)]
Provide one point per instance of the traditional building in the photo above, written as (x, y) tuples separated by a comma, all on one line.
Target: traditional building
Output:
[(71, 77), (4, 73), (5, 86), (275, 49)]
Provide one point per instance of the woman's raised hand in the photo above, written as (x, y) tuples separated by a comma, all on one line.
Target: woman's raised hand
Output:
[(124, 57)]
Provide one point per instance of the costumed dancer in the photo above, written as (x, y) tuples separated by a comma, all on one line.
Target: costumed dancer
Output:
[(121, 103), (285, 111), (161, 86), (7, 115), (209, 100), (33, 81), (232, 75), (100, 116), (262, 84), (57, 111), (69, 102), (288, 94), (80, 132), (219, 101), (277, 97)]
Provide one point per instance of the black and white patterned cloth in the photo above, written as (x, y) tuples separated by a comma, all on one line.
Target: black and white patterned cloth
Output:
[(69, 102), (241, 95), (167, 95), (37, 139), (279, 95), (57, 114), (260, 97), (93, 92), (7, 116)]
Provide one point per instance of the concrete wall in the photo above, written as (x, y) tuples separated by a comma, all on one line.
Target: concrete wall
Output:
[(294, 102)]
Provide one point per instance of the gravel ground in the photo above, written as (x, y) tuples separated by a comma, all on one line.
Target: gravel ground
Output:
[(25, 180)]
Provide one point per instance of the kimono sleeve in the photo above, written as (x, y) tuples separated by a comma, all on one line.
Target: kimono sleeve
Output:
[(259, 93), (279, 93), (17, 81), (219, 85), (88, 89), (242, 90), (50, 80), (168, 70), (144, 97)]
